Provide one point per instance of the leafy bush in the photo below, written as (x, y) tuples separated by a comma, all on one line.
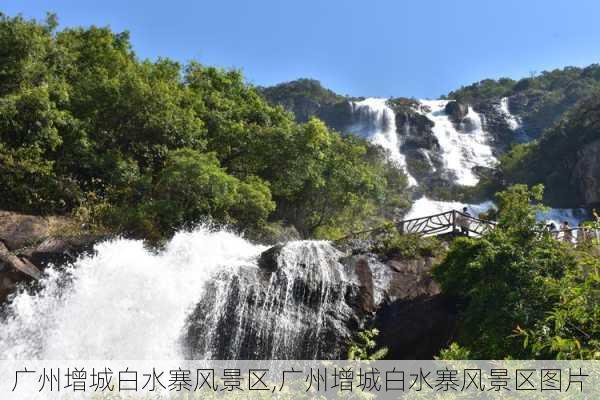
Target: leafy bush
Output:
[(363, 348), (407, 246), (522, 294), (454, 352)]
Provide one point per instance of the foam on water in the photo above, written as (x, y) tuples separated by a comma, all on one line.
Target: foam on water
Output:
[(125, 302), (425, 206), (513, 122), (461, 151), (377, 123)]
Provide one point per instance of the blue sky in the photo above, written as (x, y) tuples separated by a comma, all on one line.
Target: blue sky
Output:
[(363, 48)]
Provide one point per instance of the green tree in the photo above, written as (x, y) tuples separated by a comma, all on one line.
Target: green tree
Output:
[(193, 187), (506, 280), (87, 127)]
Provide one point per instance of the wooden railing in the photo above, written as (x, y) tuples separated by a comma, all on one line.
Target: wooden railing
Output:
[(447, 222), (455, 222)]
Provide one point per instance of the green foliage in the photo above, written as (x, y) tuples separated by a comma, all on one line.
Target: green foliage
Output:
[(571, 328), (363, 348), (144, 147), (485, 89), (407, 246), (301, 88), (192, 186), (551, 159), (507, 280), (454, 352)]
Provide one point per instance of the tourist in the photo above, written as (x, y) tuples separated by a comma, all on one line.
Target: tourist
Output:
[(567, 233), (583, 234), (463, 221)]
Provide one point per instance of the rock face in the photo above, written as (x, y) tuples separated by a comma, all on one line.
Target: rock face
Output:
[(495, 122), (586, 174), (307, 300), (300, 304), (457, 111), (28, 243)]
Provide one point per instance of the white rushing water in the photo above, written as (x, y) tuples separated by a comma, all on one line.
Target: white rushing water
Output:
[(204, 296), (286, 313), (425, 206), (377, 123), (513, 122), (125, 302), (461, 150)]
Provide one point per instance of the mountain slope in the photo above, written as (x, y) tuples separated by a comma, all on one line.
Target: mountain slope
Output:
[(553, 112)]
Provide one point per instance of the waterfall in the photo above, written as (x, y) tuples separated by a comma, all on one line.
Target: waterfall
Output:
[(124, 302), (513, 122), (376, 121), (206, 295), (294, 309), (462, 149)]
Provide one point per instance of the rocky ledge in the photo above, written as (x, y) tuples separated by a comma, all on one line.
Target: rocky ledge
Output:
[(29, 243), (308, 300)]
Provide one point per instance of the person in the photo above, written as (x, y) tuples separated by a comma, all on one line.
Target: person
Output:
[(567, 233), (583, 234), (463, 221), (552, 230)]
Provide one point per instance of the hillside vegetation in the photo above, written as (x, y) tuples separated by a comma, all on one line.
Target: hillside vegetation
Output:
[(565, 158), (144, 147)]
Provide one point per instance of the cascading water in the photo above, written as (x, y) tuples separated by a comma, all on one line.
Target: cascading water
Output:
[(462, 151), (513, 122), (124, 302), (376, 121), (205, 296), (294, 308)]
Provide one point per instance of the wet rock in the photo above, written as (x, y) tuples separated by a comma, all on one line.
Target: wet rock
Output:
[(364, 298), (28, 243), (417, 328), (268, 258), (496, 124), (9, 279), (457, 111), (313, 301), (20, 264), (58, 250), (20, 230), (308, 308)]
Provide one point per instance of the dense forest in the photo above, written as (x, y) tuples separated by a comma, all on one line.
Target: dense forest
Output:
[(142, 148)]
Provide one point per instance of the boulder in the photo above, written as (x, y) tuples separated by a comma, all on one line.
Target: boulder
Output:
[(9, 260), (267, 261), (457, 111), (19, 230), (411, 278), (305, 308), (58, 250), (28, 243)]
